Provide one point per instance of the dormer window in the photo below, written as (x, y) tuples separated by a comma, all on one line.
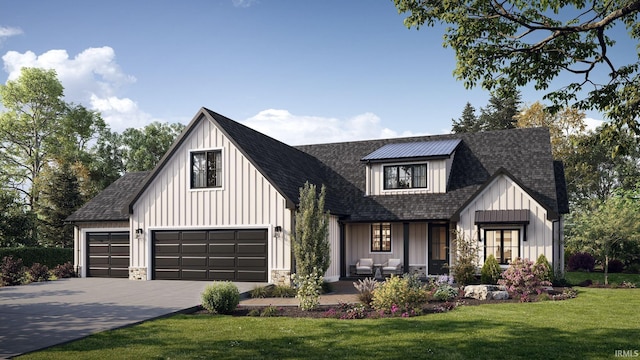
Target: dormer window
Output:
[(206, 169), (405, 176)]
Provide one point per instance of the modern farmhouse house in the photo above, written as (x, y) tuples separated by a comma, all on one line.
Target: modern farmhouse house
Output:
[(221, 205)]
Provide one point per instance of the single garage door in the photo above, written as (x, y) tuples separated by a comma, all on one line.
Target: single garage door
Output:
[(234, 255), (108, 254)]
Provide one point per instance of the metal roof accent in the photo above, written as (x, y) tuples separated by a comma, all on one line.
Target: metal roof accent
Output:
[(414, 150), (502, 216)]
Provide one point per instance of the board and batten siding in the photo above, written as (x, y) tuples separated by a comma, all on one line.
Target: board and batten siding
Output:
[(333, 272), (504, 194), (80, 231), (437, 175), (246, 199)]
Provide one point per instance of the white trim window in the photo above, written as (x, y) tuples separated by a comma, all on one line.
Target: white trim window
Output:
[(206, 169), (405, 176), (504, 244), (381, 237)]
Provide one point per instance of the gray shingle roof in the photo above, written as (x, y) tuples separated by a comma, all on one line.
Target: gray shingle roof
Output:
[(110, 204), (413, 150), (524, 154)]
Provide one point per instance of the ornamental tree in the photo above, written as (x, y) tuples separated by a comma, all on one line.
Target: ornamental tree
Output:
[(311, 237)]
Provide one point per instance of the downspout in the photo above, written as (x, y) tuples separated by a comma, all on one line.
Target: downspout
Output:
[(343, 255)]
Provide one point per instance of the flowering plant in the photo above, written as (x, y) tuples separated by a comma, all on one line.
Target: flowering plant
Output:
[(524, 278)]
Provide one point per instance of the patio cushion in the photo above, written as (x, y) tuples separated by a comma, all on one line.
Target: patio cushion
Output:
[(364, 266)]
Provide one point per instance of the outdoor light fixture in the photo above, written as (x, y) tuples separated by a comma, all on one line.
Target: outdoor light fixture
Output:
[(278, 231), (139, 233)]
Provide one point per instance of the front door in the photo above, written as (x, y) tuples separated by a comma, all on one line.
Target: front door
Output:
[(438, 256)]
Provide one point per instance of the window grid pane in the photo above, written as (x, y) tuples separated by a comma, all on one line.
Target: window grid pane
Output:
[(380, 237), (405, 177), (206, 169)]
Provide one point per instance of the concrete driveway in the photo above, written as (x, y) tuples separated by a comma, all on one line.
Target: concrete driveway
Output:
[(40, 315)]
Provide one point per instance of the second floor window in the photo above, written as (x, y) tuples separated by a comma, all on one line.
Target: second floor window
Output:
[(206, 169), (405, 176)]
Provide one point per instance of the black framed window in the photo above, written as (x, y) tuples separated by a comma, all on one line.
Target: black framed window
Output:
[(504, 244), (381, 237), (405, 176), (206, 169)]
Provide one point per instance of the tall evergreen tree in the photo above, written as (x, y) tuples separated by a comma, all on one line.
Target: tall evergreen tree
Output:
[(468, 122), (500, 113), (311, 237), (60, 198)]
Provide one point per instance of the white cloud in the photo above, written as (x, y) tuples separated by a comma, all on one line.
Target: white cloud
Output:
[(7, 32), (304, 129), (592, 124), (243, 3), (92, 78)]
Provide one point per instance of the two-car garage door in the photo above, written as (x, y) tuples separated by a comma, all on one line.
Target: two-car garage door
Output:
[(234, 254)]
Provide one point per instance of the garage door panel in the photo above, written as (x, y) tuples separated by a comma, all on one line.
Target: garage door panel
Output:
[(252, 276), (167, 262), (194, 248), (120, 250), (244, 248), (195, 262), (101, 249), (223, 248), (99, 272), (210, 255), (222, 262), (252, 262), (99, 261), (222, 275), (120, 261), (119, 273), (195, 274)]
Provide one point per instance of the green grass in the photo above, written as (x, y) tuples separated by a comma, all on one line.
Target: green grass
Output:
[(591, 326), (576, 277)]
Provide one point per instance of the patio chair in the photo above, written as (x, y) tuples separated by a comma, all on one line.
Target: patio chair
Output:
[(392, 266), (364, 266)]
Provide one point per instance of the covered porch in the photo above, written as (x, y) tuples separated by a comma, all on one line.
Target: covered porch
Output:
[(422, 248)]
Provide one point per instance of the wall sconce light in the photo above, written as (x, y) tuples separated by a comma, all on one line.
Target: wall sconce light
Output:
[(278, 231), (139, 233)]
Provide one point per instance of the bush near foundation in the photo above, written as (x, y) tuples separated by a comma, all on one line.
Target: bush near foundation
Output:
[(12, 271), (221, 297)]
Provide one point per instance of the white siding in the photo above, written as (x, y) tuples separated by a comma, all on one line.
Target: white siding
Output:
[(246, 199), (504, 194), (437, 175)]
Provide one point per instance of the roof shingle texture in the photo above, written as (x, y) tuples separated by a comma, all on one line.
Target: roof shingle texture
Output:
[(110, 204)]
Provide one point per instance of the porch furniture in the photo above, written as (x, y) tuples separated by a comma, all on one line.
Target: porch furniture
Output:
[(392, 266), (364, 266)]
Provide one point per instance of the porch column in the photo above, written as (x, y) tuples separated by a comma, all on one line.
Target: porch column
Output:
[(405, 257), (343, 256)]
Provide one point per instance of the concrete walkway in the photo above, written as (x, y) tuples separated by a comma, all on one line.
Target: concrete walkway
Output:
[(40, 315)]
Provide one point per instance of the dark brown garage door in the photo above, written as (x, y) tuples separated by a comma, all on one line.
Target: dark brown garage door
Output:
[(235, 255), (108, 254)]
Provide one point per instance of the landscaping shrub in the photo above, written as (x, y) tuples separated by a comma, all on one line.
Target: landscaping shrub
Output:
[(269, 311), (398, 294), (365, 289), (12, 271), (524, 278), (581, 261), (221, 297), (466, 262), (490, 272), (633, 268), (615, 266), (283, 291), (65, 270), (445, 292), (38, 272), (548, 276), (260, 292), (46, 256), (309, 287)]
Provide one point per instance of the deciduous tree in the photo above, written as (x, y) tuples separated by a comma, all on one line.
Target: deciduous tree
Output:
[(143, 148), (502, 46)]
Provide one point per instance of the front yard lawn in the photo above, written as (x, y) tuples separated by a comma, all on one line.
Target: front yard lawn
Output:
[(592, 326)]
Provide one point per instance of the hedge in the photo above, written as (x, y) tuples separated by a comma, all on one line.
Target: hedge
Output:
[(45, 256)]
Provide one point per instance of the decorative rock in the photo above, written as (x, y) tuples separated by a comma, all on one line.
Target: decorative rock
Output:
[(486, 292)]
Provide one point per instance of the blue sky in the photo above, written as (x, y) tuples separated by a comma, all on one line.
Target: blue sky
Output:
[(300, 71)]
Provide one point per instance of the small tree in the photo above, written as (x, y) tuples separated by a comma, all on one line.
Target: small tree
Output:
[(490, 273), (311, 238), (542, 260), (466, 263)]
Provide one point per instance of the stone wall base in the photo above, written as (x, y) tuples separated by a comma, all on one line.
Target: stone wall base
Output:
[(420, 270), (137, 273), (281, 277)]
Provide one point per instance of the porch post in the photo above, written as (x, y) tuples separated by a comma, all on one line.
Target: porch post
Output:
[(343, 256), (405, 258)]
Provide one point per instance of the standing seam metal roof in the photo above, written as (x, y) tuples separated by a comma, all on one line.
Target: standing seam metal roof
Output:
[(414, 150)]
